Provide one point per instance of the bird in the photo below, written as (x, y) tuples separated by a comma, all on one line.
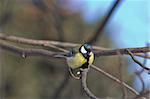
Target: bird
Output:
[(80, 57)]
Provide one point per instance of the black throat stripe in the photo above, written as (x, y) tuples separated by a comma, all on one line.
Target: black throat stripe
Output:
[(86, 56), (86, 64)]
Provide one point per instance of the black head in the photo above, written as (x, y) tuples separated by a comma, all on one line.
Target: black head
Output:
[(86, 49)]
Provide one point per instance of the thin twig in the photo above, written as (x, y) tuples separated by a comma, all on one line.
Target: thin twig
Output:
[(139, 72), (114, 79), (84, 84), (122, 51), (24, 52), (136, 61), (143, 56), (121, 78), (141, 96), (141, 79), (105, 21), (21, 40)]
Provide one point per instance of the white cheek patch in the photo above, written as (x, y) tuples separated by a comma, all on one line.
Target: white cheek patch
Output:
[(83, 50), (90, 53)]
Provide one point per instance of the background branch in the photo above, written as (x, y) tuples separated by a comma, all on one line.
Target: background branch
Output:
[(122, 51), (136, 61), (114, 79), (27, 52), (142, 55), (124, 91), (139, 72), (141, 96), (105, 21), (30, 41)]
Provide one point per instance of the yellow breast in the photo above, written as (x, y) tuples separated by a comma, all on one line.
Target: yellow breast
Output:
[(91, 59), (77, 61)]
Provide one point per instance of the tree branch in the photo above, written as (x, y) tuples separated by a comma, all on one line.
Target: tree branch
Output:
[(84, 84), (141, 96), (44, 43), (115, 79), (136, 61), (122, 51), (21, 40), (143, 56), (27, 52), (99, 51), (105, 21), (139, 72), (90, 94)]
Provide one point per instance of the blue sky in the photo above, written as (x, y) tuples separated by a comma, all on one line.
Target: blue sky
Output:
[(132, 19)]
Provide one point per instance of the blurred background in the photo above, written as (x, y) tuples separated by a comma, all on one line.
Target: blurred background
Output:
[(71, 21)]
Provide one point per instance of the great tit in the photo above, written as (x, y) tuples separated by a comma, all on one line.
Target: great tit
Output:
[(80, 57)]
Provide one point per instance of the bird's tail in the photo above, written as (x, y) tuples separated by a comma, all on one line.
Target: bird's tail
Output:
[(63, 55), (60, 56)]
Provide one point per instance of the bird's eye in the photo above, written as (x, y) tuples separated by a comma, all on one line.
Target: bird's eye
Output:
[(83, 50)]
